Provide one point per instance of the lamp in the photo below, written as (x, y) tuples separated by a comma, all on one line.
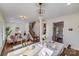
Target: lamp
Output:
[(41, 9)]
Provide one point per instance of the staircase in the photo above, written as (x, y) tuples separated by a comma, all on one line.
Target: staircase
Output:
[(31, 27), (32, 33)]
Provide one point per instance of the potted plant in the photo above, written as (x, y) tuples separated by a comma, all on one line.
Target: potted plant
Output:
[(7, 32), (43, 39)]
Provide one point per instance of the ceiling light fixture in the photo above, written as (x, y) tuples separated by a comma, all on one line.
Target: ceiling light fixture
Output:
[(23, 17), (41, 9), (68, 3)]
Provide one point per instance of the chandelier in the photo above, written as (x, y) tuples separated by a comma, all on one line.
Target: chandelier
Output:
[(41, 8)]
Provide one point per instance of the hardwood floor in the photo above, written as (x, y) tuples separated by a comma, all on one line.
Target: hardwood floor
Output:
[(66, 51), (8, 47), (70, 52)]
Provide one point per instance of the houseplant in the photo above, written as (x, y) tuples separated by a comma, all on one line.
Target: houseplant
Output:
[(7, 32)]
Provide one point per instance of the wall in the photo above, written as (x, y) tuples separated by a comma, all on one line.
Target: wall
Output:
[(37, 28), (49, 30), (2, 27), (70, 37)]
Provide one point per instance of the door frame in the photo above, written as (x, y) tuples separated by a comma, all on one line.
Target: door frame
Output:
[(57, 21)]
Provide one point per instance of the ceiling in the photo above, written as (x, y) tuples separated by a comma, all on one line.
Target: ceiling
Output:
[(52, 10)]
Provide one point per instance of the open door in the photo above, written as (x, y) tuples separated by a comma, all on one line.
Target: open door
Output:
[(58, 31)]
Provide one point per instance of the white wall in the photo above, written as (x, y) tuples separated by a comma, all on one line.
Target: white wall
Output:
[(37, 28), (1, 32), (49, 30), (70, 37)]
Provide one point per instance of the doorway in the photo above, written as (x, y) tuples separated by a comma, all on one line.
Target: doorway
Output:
[(58, 31)]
